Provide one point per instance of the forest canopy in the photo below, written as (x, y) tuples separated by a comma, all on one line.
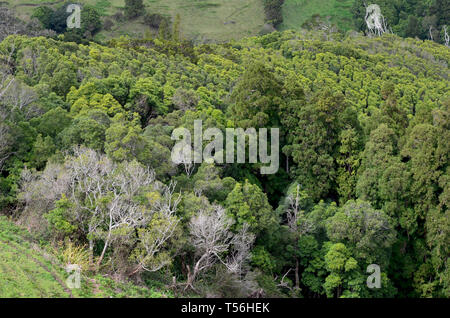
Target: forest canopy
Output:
[(85, 156)]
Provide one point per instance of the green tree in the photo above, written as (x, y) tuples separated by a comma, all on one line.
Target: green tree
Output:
[(313, 142), (256, 98), (248, 204), (44, 15), (133, 8), (43, 149), (176, 35), (367, 232)]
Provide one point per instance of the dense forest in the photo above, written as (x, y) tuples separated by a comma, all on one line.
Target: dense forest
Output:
[(364, 177)]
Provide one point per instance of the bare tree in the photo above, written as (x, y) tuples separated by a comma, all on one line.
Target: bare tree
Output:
[(182, 153), (88, 173), (211, 237), (446, 36), (239, 251), (298, 224), (186, 161), (296, 215), (105, 205), (38, 193), (164, 223), (19, 96)]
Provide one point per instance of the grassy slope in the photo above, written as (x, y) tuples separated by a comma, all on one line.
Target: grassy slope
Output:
[(200, 19), (23, 271), (28, 272), (213, 19), (297, 12)]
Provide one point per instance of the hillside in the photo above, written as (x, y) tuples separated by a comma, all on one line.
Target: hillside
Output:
[(29, 271), (24, 272), (297, 12), (363, 177), (201, 20)]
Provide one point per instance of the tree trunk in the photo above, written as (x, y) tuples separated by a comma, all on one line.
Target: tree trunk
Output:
[(91, 253), (297, 278), (103, 253), (190, 278), (135, 270)]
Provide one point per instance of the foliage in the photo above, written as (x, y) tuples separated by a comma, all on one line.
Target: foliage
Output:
[(86, 144)]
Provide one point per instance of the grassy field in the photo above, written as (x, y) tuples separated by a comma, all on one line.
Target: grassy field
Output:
[(201, 20), (297, 12), (214, 19), (210, 20), (23, 271), (28, 271)]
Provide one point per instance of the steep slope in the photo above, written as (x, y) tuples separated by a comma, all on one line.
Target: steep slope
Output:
[(204, 20), (26, 271)]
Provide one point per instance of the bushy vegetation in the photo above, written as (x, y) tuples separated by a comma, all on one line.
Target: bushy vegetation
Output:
[(85, 156)]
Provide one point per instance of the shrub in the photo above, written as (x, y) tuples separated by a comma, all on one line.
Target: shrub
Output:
[(133, 8), (154, 20), (272, 9), (119, 17), (108, 24)]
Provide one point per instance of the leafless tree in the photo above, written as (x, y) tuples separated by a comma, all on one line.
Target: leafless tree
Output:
[(43, 188), (38, 193), (164, 224), (211, 237), (20, 97), (121, 211), (104, 205), (88, 173), (296, 215), (298, 224), (446, 36), (282, 283), (239, 251)]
